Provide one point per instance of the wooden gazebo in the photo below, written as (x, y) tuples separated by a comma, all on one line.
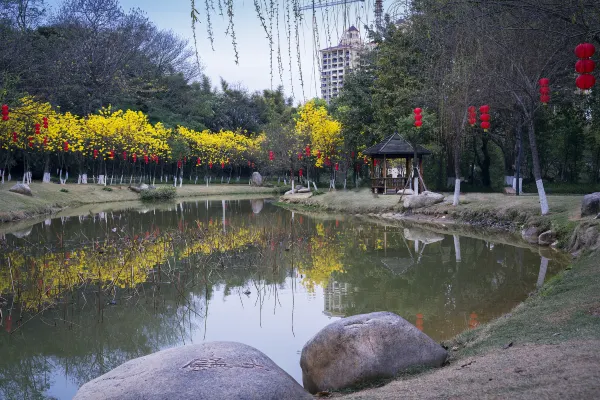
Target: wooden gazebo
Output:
[(392, 163)]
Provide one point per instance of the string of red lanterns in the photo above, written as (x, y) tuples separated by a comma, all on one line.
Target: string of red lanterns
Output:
[(472, 116), (585, 66), (5, 112), (418, 117), (545, 91), (484, 117)]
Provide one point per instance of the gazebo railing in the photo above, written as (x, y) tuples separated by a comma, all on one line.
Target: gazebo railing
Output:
[(388, 183)]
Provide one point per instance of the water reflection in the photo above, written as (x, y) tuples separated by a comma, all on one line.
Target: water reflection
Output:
[(83, 294)]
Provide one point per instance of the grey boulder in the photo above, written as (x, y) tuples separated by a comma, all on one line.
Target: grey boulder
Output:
[(304, 190), (215, 370), (140, 188), (531, 234), (590, 205), (256, 179), (21, 188), (546, 238), (422, 200), (363, 348)]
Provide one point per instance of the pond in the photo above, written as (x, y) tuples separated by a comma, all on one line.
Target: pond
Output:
[(81, 294)]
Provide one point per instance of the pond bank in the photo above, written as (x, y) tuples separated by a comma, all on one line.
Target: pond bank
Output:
[(48, 198), (547, 347)]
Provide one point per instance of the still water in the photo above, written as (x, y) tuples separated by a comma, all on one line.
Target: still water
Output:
[(82, 294)]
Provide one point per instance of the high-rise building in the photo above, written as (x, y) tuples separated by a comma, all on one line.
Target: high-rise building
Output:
[(338, 61)]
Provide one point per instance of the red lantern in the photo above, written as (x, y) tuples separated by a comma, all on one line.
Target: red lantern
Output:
[(45, 122), (30, 138), (45, 141), (198, 161), (307, 151), (585, 50), (95, 153), (155, 158), (299, 156), (337, 166), (418, 124), (271, 156), (418, 117), (485, 125), (134, 158), (124, 156), (15, 137), (249, 163), (37, 129), (146, 158), (352, 155), (179, 164), (484, 109), (544, 82), (366, 160), (472, 121), (471, 109), (319, 154), (545, 99), (375, 162), (5, 116), (485, 117), (585, 81), (300, 172), (66, 146), (472, 115), (585, 66), (210, 164), (544, 90), (417, 110), (222, 164)]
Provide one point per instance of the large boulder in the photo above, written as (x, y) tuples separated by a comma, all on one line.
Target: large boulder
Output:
[(531, 234), (365, 347), (546, 238), (256, 179), (406, 191), (215, 370), (21, 188), (590, 205), (424, 199), (140, 188)]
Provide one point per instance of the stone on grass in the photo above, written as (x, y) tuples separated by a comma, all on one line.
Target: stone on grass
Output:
[(256, 179), (304, 190), (424, 199), (590, 205), (531, 234), (214, 370), (546, 238), (292, 191), (363, 348), (139, 189), (406, 191), (510, 191), (21, 188)]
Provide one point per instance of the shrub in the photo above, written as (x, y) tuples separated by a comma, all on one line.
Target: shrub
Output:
[(107, 189), (164, 193), (64, 190)]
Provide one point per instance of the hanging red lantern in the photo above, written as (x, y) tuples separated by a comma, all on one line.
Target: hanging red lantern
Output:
[(544, 82), (319, 154), (418, 117), (585, 81), (124, 156), (484, 117), (485, 125), (198, 161), (146, 158), (472, 115), (545, 99), (45, 122), (249, 163), (585, 66), (418, 124), (210, 164), (179, 164), (484, 109), (271, 155), (307, 151), (300, 172), (155, 158), (95, 153), (45, 141), (375, 162), (134, 158), (5, 113), (544, 91), (352, 155), (37, 129), (66, 146), (585, 50), (337, 166), (417, 110), (366, 160), (222, 164), (15, 137), (30, 138)]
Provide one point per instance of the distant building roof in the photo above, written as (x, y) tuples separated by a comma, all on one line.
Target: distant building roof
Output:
[(338, 47), (352, 29), (395, 145)]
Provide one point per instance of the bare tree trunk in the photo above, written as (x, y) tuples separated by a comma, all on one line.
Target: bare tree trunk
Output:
[(456, 171), (537, 171)]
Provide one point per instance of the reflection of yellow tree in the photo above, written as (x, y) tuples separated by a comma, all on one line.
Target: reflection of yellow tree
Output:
[(41, 279), (326, 255)]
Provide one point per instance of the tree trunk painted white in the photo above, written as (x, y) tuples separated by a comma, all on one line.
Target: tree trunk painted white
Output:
[(2, 175), (315, 186), (520, 185), (180, 181), (416, 246), (514, 184), (542, 274), (456, 192), (79, 179), (47, 222), (46, 178), (84, 179), (543, 198), (100, 179), (9, 177), (416, 185), (292, 186), (457, 248), (174, 180)]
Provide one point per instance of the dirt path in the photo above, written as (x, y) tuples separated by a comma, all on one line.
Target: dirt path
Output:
[(526, 371)]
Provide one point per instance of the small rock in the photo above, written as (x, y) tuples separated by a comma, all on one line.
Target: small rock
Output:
[(510, 191), (546, 238), (590, 205), (455, 348), (214, 370), (21, 188), (506, 346), (531, 234), (256, 179)]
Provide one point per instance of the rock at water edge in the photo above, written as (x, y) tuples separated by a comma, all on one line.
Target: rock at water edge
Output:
[(590, 205), (531, 234), (256, 179), (214, 370), (363, 348), (546, 238), (21, 188)]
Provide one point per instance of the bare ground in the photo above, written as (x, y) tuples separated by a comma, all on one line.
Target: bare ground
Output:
[(526, 371)]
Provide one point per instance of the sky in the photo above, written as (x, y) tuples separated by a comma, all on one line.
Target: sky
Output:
[(253, 70)]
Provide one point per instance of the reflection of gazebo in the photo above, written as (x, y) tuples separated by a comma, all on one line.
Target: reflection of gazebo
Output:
[(391, 163)]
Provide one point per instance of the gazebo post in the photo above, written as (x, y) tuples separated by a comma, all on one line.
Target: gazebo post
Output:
[(384, 169), (421, 173)]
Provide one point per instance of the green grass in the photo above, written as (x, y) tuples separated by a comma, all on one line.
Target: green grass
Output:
[(564, 188)]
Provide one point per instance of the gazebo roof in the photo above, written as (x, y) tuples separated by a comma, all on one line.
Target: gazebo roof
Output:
[(395, 146)]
